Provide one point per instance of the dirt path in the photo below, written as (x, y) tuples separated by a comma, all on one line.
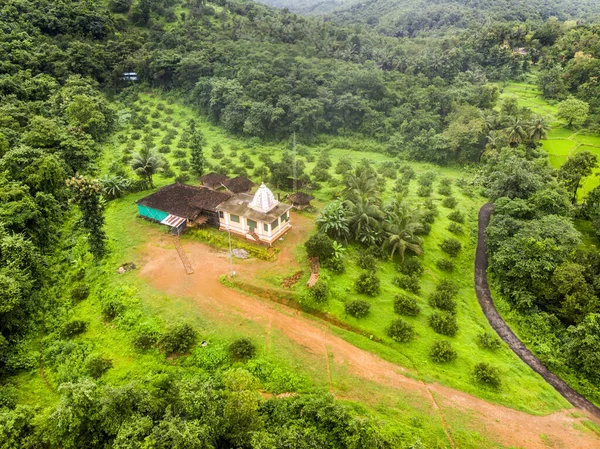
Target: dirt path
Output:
[(504, 331), (161, 267)]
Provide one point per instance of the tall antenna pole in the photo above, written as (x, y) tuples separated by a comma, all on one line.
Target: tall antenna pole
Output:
[(295, 187)]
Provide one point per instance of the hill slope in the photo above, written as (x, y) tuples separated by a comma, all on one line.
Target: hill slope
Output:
[(409, 18)]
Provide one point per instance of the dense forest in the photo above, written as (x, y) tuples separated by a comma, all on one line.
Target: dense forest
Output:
[(267, 74)]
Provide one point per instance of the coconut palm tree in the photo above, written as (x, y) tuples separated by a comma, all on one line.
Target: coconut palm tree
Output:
[(361, 181), (401, 225), (516, 131), (537, 128), (364, 217), (146, 164)]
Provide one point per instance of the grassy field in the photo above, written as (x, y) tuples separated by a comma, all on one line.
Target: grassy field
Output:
[(562, 142)]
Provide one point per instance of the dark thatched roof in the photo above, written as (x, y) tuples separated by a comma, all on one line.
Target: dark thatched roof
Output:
[(184, 200), (238, 185), (300, 198), (213, 179)]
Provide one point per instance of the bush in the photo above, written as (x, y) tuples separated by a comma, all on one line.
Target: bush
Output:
[(427, 178), (424, 191), (412, 266), (73, 328), (319, 292), (445, 190), (97, 365), (320, 245), (242, 349), (359, 308), (400, 331), (443, 297), (368, 284), (488, 341), (80, 293), (112, 308), (180, 154), (456, 216), (451, 247), (367, 262), (449, 202), (487, 374), (408, 283), (405, 305), (444, 323), (445, 264), (183, 178), (455, 228), (136, 136), (442, 352), (178, 339), (335, 264)]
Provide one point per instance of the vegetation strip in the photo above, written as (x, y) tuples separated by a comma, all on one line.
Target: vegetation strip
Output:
[(484, 297)]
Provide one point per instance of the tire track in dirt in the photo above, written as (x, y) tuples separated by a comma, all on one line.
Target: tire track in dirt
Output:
[(484, 297), (162, 269)]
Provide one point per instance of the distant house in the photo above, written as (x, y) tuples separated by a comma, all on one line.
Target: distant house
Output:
[(300, 200), (259, 217), (180, 205), (213, 180), (241, 184)]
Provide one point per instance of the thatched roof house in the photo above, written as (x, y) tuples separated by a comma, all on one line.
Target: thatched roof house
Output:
[(213, 180), (240, 184), (300, 200)]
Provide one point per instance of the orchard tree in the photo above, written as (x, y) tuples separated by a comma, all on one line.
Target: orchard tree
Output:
[(87, 194), (198, 161), (574, 111), (575, 169)]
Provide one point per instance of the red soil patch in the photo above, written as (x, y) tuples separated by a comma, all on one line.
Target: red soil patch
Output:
[(162, 268)]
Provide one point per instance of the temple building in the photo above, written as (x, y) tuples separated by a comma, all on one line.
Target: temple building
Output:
[(258, 217)]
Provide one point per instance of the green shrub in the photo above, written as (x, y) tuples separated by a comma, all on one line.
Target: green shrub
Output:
[(164, 149), (359, 308), (427, 178), (451, 247), (444, 323), (160, 106), (97, 365), (111, 308), (80, 293), (412, 266), (320, 245), (445, 189), (445, 264), (178, 339), (182, 177), (368, 284), (400, 331), (136, 136), (242, 349), (429, 216), (488, 341), (487, 374), (405, 305), (319, 292), (335, 264), (73, 328), (442, 352), (408, 283), (450, 202), (455, 228), (180, 154), (424, 191), (367, 262), (443, 297), (456, 216)]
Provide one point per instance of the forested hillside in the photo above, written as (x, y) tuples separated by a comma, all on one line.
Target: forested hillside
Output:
[(413, 18), (75, 136)]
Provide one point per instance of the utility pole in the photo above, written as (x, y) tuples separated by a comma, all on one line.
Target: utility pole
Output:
[(294, 171)]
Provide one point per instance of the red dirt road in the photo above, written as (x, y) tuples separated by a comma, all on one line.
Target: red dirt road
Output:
[(160, 265)]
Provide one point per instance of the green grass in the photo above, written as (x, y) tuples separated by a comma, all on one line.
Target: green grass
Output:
[(562, 142)]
